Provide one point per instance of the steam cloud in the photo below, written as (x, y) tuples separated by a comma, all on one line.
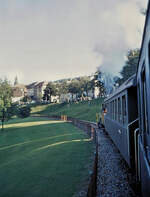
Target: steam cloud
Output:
[(121, 29)]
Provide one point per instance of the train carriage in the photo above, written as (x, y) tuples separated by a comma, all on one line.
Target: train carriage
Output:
[(143, 88), (127, 115), (122, 117)]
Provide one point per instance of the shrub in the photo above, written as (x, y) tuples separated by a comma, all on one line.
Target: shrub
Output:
[(24, 112)]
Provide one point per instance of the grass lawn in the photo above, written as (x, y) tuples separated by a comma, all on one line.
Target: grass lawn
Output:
[(40, 157), (84, 110)]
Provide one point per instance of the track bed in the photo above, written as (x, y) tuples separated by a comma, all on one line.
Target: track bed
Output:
[(114, 176)]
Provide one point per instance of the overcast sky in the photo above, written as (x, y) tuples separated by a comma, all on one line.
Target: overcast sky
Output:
[(55, 39)]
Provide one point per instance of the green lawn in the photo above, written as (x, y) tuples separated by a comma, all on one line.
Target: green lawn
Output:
[(84, 110), (42, 158)]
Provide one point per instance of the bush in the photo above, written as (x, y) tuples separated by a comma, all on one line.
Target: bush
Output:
[(24, 112)]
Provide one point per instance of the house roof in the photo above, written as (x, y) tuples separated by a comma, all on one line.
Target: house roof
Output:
[(32, 85), (40, 84)]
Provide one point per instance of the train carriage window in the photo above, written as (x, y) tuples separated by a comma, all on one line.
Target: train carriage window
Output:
[(119, 110), (144, 103), (108, 109), (111, 110), (124, 112), (115, 109)]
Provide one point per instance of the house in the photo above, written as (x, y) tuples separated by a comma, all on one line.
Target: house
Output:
[(18, 92), (39, 90), (30, 89)]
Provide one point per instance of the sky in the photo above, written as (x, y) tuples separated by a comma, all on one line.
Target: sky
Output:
[(56, 39)]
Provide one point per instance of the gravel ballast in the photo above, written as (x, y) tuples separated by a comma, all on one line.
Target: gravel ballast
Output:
[(113, 172)]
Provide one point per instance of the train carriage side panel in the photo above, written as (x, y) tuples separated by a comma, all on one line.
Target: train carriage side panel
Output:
[(143, 81), (144, 171), (117, 129)]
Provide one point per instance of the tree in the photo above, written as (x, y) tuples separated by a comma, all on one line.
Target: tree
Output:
[(143, 11), (5, 100), (62, 88), (16, 81), (84, 85), (49, 91), (130, 66), (26, 99), (24, 112), (73, 87)]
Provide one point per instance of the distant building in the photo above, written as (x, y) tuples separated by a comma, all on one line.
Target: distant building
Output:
[(39, 90), (30, 89), (18, 92), (35, 90)]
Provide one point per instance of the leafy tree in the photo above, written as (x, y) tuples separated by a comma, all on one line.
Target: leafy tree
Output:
[(130, 66), (11, 111), (5, 100), (73, 87), (84, 85), (49, 91), (26, 99), (16, 81), (62, 88), (143, 11)]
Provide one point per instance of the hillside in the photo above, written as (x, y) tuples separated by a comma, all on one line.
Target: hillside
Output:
[(84, 110)]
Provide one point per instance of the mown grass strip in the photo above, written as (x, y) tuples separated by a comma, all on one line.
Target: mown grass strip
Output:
[(48, 159)]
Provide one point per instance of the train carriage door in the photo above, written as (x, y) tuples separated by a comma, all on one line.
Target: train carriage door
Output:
[(144, 110)]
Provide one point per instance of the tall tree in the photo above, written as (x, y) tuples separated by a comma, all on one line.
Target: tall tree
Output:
[(130, 66), (16, 81), (73, 87), (62, 88), (99, 83), (5, 100), (84, 85), (49, 91)]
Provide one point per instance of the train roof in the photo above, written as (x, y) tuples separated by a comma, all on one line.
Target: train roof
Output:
[(131, 82)]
